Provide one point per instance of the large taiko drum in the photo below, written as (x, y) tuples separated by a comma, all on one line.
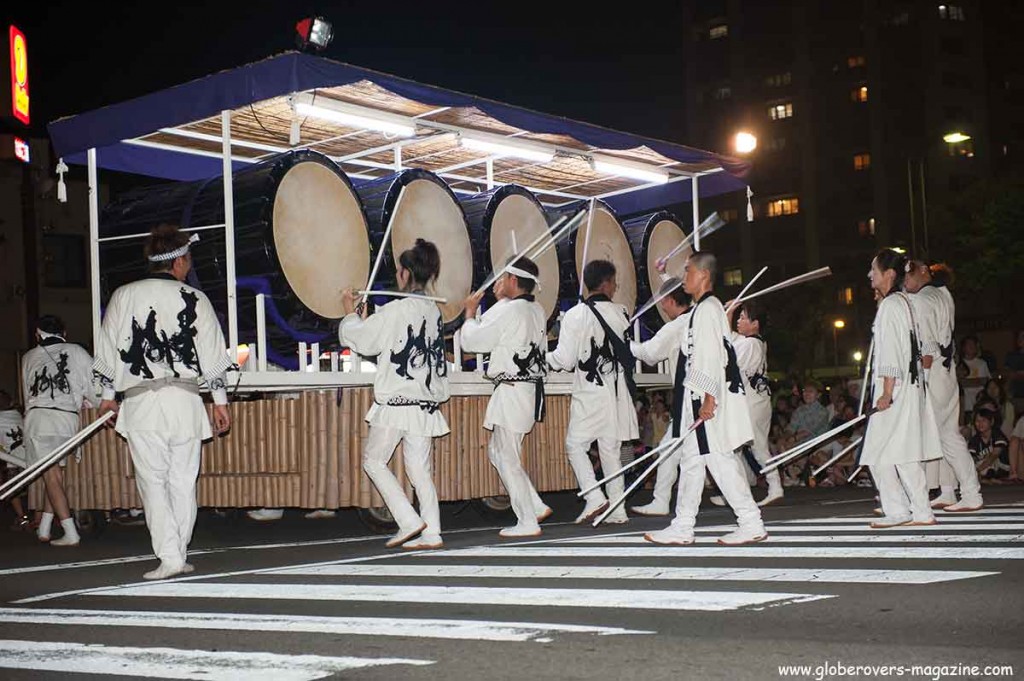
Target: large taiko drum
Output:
[(607, 242), (652, 237), (504, 221), (429, 210), (300, 238)]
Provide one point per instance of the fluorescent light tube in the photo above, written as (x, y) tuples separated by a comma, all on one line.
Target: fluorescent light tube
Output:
[(636, 172), (354, 120), (500, 149)]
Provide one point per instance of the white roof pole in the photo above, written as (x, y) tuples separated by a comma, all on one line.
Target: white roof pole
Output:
[(229, 233)]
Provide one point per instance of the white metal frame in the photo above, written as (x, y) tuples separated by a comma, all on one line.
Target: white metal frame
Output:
[(310, 376)]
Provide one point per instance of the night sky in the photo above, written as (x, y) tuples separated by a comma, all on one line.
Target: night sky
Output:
[(622, 69)]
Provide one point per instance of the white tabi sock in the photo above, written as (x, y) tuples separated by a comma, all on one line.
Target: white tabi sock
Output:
[(45, 525)]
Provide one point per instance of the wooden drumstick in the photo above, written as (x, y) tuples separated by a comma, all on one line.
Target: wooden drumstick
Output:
[(551, 236), (711, 224), (384, 241), (586, 242), (403, 294), (746, 288)]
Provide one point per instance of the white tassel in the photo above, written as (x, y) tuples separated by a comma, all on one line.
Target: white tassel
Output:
[(750, 207), (62, 189), (293, 134)]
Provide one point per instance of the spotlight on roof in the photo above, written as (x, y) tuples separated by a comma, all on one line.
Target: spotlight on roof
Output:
[(314, 33)]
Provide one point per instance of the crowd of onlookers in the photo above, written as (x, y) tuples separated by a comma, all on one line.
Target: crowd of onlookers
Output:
[(992, 418)]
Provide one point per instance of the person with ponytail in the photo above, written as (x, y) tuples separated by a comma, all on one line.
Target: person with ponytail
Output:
[(935, 313), (409, 388), (902, 433)]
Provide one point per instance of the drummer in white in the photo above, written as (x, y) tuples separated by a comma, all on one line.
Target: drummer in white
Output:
[(409, 388), (665, 346), (160, 339), (934, 311), (57, 379), (514, 332), (592, 344), (709, 388)]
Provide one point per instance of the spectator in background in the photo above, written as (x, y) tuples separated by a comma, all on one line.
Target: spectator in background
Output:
[(994, 390), (1017, 452), (989, 448), (659, 418), (810, 419), (988, 357), (1015, 372), (972, 371)]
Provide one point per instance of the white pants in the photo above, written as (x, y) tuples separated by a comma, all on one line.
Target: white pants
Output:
[(380, 447), (940, 474), (166, 468), (956, 465), (504, 451), (667, 473), (726, 469), (611, 461), (45, 431), (903, 491)]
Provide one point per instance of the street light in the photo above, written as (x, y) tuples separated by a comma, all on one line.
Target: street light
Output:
[(955, 137), (836, 325), (858, 356), (744, 142)]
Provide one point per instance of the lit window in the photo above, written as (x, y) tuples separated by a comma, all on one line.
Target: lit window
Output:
[(787, 206), (780, 111), (719, 31), (866, 227), (729, 214), (734, 277), (951, 12), (846, 296), (859, 94), (855, 61), (861, 161), (778, 79)]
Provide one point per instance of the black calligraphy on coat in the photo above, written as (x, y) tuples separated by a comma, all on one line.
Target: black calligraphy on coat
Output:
[(420, 352), (600, 362), (732, 369), (16, 437), (150, 345), (43, 381), (915, 359), (533, 364)]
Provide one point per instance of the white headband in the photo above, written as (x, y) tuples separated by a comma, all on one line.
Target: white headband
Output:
[(523, 274), (176, 253), (43, 335)]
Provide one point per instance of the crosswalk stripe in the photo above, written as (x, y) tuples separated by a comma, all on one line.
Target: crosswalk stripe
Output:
[(565, 598), (475, 630), (949, 518), (883, 538), (754, 551), (863, 524), (173, 663), (732, 574)]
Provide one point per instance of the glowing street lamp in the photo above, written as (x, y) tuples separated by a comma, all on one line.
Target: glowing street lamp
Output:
[(839, 324), (858, 356), (836, 325), (955, 137), (744, 142)]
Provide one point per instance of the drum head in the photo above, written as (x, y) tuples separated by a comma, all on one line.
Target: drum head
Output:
[(320, 236), (608, 242), (665, 236), (429, 212), (522, 218)]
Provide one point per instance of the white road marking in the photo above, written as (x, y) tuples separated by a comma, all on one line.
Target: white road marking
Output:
[(473, 630), (173, 663), (732, 574), (564, 598), (885, 538), (948, 519), (751, 551)]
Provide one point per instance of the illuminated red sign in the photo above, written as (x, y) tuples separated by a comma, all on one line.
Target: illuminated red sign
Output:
[(21, 150), (19, 75)]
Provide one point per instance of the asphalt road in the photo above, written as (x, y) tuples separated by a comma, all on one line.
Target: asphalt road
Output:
[(310, 599)]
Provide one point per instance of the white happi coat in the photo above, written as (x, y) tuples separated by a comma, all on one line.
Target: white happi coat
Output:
[(667, 343), (601, 406), (514, 332), (709, 367), (160, 340), (906, 432), (12, 438), (752, 358), (57, 377), (412, 374), (934, 312)]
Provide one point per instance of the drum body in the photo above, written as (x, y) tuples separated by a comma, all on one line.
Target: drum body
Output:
[(652, 237), (429, 210), (504, 221), (300, 238), (607, 242)]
